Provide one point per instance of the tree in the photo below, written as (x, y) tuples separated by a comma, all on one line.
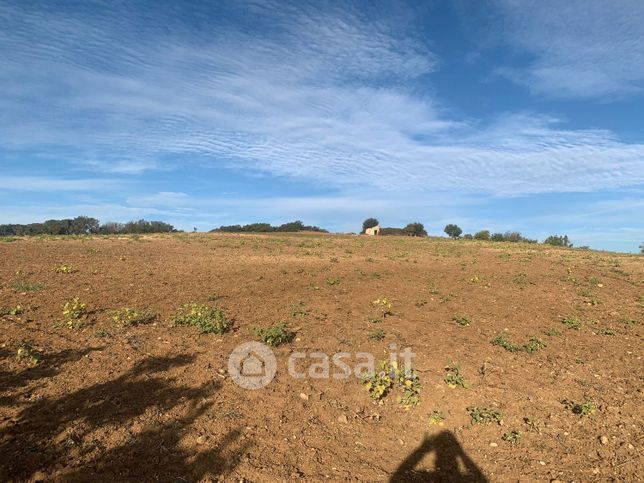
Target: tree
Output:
[(453, 230), (558, 241), (642, 248), (415, 229), (482, 235), (369, 223)]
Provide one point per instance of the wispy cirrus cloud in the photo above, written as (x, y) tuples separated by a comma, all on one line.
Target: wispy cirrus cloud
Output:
[(579, 48), (53, 184), (290, 90)]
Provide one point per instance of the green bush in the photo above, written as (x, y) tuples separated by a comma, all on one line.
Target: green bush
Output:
[(209, 320), (126, 317), (275, 335), (481, 415)]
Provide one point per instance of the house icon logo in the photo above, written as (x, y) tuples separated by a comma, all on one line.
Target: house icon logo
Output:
[(252, 365)]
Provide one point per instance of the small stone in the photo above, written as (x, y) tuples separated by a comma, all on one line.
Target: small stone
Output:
[(494, 445), (304, 397), (630, 446), (201, 439), (604, 439), (595, 471), (343, 419), (542, 463)]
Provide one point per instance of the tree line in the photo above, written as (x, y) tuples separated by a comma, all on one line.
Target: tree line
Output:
[(293, 226), (84, 225), (454, 231)]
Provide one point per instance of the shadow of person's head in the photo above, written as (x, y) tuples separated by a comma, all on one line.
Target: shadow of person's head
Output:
[(451, 462)]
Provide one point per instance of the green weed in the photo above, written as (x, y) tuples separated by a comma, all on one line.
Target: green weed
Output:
[(23, 286), (73, 310), (377, 334), (26, 350), (533, 345), (126, 317), (208, 319), (572, 322), (463, 320), (275, 335), (584, 408), (453, 377), (482, 415), (512, 437), (436, 417)]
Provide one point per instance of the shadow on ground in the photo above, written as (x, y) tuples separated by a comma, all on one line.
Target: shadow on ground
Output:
[(127, 429), (451, 463)]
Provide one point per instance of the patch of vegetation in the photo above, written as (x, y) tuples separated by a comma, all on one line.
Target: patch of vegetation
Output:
[(584, 408), (64, 269), (379, 384), (513, 437), (572, 322), (463, 320), (482, 415), (16, 310), (533, 345), (629, 322), (606, 331), (23, 286), (274, 336), (333, 281), (73, 310), (126, 317), (101, 334), (208, 319), (298, 309), (377, 334), (214, 296), (552, 332), (374, 320), (436, 417), (26, 350), (446, 298), (432, 288), (521, 280), (420, 303), (453, 377), (384, 305), (533, 424)]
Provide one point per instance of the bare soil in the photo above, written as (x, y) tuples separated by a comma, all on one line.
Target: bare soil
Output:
[(151, 402)]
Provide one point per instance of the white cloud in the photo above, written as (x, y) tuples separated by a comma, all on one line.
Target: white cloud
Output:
[(580, 48), (49, 184), (329, 97)]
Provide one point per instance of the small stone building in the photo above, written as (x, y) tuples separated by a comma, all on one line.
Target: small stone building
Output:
[(373, 231)]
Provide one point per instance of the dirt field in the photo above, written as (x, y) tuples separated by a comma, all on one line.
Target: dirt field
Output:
[(151, 402)]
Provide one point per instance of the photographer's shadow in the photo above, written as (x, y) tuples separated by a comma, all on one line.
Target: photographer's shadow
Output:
[(451, 463)]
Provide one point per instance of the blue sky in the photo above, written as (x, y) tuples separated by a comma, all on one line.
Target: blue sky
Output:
[(505, 115)]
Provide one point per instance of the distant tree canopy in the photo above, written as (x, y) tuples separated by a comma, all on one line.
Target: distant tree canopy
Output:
[(509, 236), (369, 223), (84, 225), (290, 227), (453, 230), (141, 226), (482, 235), (642, 248), (389, 231), (415, 229), (558, 241)]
